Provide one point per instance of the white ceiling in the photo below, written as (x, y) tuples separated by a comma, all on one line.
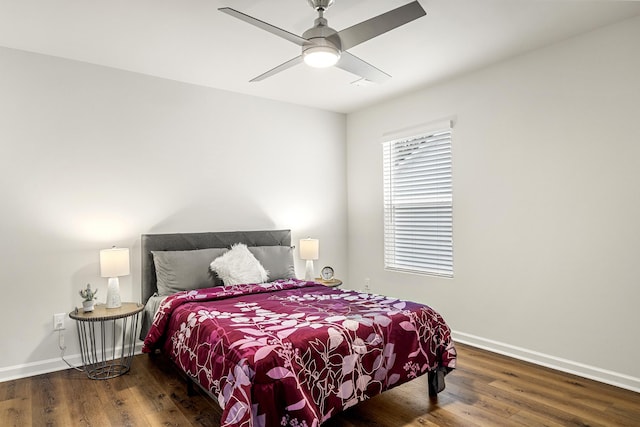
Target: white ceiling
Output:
[(190, 41)]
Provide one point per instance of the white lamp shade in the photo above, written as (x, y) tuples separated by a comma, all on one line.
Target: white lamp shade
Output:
[(309, 249), (114, 262)]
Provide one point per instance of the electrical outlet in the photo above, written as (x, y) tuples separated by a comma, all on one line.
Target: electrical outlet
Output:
[(367, 284), (58, 321)]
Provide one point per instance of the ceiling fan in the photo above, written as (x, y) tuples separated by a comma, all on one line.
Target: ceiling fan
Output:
[(322, 46)]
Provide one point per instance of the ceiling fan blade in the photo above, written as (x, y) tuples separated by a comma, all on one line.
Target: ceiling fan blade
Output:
[(373, 27), (357, 66), (290, 63), (263, 25)]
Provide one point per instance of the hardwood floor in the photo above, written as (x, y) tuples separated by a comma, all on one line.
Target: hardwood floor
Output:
[(486, 390)]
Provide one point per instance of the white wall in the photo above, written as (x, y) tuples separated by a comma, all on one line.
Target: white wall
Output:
[(546, 174), (91, 157)]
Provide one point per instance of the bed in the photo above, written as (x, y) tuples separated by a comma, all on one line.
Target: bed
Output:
[(285, 352)]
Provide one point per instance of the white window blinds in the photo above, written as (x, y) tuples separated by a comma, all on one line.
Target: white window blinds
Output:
[(418, 202)]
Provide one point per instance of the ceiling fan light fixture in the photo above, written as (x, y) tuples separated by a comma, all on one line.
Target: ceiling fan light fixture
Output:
[(321, 56)]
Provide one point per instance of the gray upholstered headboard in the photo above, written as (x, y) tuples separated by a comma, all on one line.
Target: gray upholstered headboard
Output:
[(191, 241)]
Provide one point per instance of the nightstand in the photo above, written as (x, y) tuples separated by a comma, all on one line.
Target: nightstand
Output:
[(113, 327), (333, 283)]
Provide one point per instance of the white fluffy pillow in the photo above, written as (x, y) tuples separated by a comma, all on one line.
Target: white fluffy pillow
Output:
[(239, 266)]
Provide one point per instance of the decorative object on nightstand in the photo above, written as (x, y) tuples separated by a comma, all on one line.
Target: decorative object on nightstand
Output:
[(100, 331), (89, 296), (309, 251), (114, 262), (326, 273), (327, 277)]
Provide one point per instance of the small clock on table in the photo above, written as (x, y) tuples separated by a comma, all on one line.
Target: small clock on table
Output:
[(327, 277)]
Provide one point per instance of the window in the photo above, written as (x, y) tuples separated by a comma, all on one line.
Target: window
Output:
[(418, 204)]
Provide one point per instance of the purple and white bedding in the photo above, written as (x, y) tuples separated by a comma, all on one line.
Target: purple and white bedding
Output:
[(292, 352)]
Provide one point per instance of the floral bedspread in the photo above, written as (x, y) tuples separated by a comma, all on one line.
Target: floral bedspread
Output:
[(295, 353)]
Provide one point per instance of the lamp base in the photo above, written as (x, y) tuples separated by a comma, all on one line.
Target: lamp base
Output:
[(113, 293), (308, 272)]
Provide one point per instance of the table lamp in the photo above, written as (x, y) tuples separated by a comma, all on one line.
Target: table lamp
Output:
[(309, 249), (114, 262)]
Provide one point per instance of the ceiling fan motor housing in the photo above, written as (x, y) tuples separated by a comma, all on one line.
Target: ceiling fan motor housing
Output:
[(322, 35), (321, 40)]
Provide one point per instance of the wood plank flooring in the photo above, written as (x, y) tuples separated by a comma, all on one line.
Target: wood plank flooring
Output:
[(486, 390)]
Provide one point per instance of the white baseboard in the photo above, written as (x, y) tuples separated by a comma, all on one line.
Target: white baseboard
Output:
[(46, 366), (576, 368), (597, 374)]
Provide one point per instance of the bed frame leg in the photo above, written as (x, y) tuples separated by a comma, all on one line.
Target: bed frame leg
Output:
[(191, 391), (436, 382)]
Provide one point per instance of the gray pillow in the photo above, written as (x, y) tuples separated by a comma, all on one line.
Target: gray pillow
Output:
[(184, 270), (277, 260)]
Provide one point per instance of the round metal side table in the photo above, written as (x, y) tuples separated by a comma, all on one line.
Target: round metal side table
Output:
[(98, 333)]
